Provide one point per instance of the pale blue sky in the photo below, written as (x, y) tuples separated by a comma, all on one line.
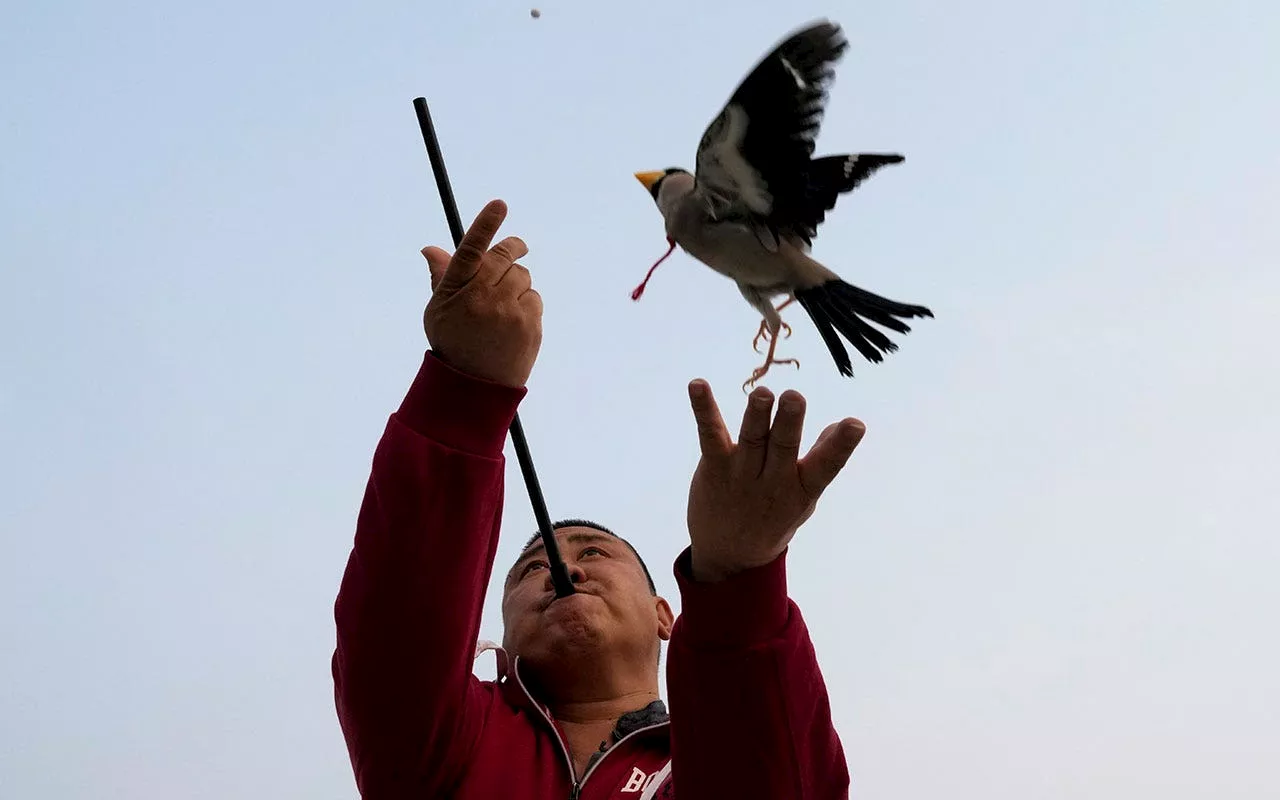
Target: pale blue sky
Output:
[(1050, 570)]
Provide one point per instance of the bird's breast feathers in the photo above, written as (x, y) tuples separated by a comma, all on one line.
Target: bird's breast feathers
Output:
[(738, 252)]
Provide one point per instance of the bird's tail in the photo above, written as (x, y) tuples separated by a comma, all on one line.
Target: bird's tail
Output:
[(838, 306)]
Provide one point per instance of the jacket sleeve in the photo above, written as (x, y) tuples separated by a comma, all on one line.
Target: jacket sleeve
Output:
[(750, 717), (408, 609)]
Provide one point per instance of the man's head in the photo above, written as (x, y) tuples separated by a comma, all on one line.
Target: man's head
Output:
[(615, 615)]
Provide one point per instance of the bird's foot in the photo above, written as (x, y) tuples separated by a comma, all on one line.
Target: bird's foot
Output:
[(759, 372), (763, 333)]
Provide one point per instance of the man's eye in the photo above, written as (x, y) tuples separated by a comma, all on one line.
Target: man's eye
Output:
[(531, 565), (595, 550)]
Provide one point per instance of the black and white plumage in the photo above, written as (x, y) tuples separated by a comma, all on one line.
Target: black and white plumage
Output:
[(754, 205)]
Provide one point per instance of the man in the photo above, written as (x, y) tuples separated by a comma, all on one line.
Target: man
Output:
[(575, 711)]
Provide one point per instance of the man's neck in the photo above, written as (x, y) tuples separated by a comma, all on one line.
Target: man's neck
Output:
[(587, 697), (586, 711), (588, 725), (590, 689)]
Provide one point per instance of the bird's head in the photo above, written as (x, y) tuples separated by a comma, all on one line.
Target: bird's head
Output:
[(655, 181)]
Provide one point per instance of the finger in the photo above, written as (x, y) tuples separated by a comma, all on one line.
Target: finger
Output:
[(475, 243), (505, 253), (713, 436), (533, 300), (518, 278), (825, 435), (437, 263), (829, 455), (753, 436), (784, 437)]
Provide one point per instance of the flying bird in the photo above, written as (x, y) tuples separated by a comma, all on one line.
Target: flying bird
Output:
[(752, 208)]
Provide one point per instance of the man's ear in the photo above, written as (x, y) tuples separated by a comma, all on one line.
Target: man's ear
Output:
[(666, 619)]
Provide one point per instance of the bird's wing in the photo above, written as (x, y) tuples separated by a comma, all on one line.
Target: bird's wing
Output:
[(753, 163)]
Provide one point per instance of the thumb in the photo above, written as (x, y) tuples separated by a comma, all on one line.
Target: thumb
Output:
[(437, 262), (829, 454)]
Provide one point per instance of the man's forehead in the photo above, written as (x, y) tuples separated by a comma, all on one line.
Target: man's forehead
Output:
[(569, 534)]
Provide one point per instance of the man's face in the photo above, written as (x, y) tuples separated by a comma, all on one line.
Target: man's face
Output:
[(612, 610)]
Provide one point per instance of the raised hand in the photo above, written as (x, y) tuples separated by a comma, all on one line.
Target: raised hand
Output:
[(748, 498), (484, 317)]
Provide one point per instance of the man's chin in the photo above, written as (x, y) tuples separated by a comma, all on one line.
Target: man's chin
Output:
[(574, 623)]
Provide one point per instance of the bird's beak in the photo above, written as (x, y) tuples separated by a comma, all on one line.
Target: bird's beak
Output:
[(649, 178)]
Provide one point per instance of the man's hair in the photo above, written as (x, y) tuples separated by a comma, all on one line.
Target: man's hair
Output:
[(586, 523)]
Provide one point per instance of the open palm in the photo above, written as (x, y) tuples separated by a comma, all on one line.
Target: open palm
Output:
[(748, 498)]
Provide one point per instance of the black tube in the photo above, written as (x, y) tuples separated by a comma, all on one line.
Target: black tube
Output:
[(559, 573)]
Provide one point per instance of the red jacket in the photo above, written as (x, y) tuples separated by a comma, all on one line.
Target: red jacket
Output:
[(749, 711)]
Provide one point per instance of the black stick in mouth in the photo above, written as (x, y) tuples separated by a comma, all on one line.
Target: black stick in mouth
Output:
[(559, 573)]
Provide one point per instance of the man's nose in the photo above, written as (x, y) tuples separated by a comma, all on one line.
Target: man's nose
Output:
[(576, 575)]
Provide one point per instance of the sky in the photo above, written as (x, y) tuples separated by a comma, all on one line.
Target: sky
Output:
[(1049, 569)]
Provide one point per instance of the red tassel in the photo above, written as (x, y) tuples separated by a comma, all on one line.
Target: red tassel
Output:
[(639, 290)]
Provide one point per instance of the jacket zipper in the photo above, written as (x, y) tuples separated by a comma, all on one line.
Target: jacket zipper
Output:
[(577, 786), (576, 791)]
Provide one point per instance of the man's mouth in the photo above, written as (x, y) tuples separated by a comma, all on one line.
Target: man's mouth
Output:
[(545, 604)]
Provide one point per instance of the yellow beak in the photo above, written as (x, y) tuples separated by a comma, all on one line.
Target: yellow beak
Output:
[(649, 178)]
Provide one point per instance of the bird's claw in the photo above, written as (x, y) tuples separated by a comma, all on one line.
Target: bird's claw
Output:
[(763, 333), (759, 372)]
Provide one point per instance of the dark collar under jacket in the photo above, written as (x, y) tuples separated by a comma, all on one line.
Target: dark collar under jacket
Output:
[(653, 714)]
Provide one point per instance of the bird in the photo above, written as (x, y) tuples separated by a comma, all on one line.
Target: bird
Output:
[(752, 207)]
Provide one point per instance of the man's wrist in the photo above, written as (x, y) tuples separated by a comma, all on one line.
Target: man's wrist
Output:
[(705, 569), (459, 410), (506, 381), (748, 606), (702, 572)]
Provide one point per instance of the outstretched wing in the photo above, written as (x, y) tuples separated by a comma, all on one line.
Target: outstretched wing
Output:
[(824, 180), (753, 162)]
